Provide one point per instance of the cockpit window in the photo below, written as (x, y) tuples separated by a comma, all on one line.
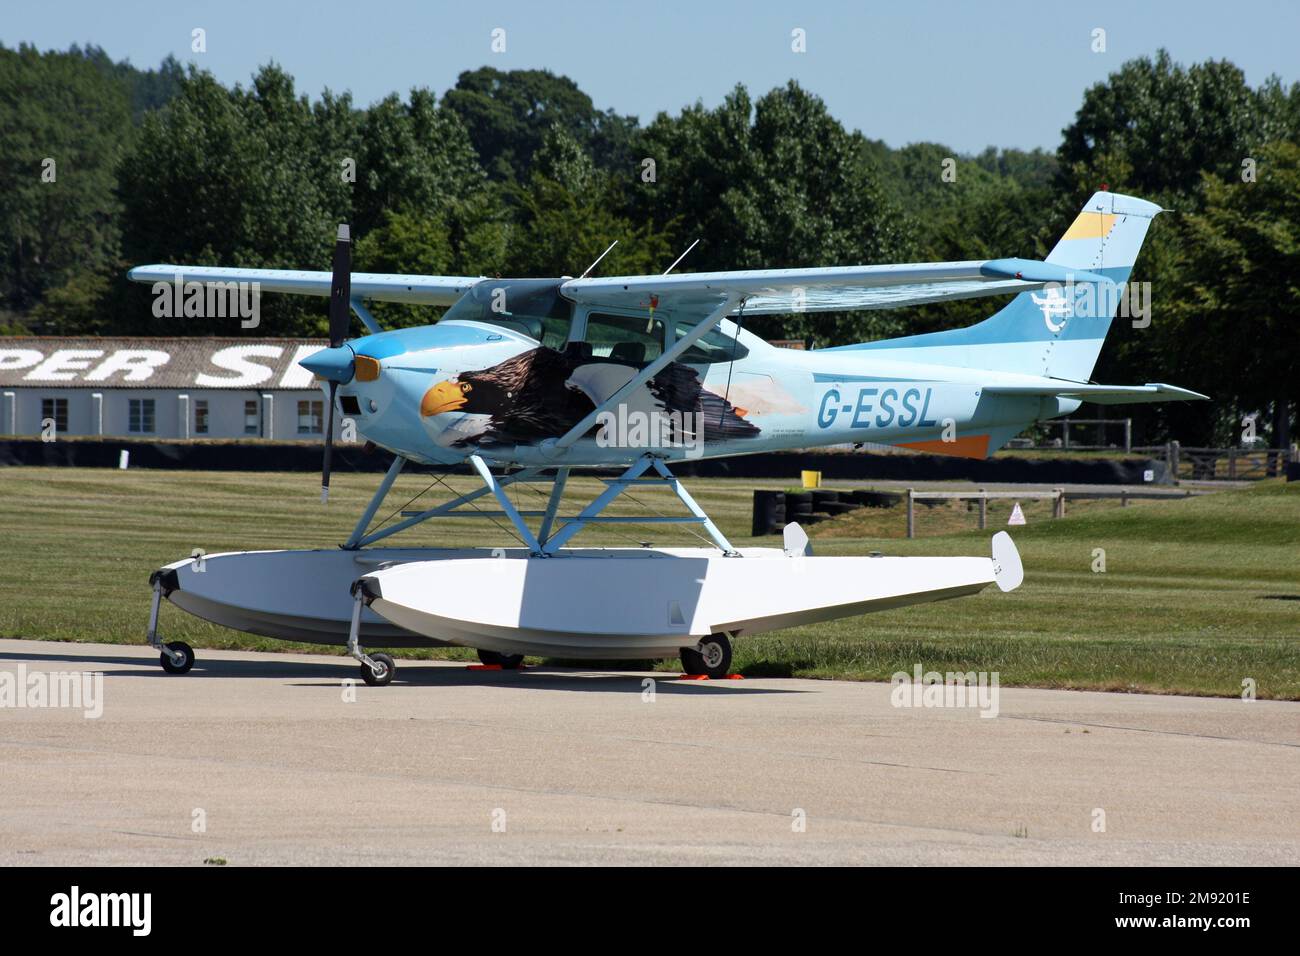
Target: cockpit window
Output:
[(634, 339), (714, 346), (533, 307), (640, 339)]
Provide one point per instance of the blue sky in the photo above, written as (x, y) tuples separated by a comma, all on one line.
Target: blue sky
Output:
[(965, 74)]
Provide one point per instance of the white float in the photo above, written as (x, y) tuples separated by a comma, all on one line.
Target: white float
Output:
[(628, 603)]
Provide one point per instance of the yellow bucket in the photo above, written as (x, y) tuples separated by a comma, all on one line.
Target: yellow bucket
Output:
[(812, 479)]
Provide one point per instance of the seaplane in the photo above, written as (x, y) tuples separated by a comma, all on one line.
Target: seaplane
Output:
[(531, 380)]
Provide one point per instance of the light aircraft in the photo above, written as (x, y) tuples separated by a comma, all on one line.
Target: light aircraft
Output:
[(527, 380)]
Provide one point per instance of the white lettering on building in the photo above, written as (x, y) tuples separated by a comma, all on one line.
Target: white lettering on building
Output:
[(138, 364), (63, 365), (19, 358), (236, 359), (295, 376)]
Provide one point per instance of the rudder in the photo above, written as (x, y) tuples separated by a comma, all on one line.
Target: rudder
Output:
[(1057, 331)]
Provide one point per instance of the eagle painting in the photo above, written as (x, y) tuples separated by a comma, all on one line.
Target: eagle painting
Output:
[(542, 393)]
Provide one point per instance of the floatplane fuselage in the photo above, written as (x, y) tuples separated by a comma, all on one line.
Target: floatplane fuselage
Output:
[(526, 380)]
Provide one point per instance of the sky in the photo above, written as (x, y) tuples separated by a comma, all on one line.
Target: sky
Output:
[(966, 74)]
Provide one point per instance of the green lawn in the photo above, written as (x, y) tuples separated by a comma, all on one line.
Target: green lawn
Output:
[(1197, 595)]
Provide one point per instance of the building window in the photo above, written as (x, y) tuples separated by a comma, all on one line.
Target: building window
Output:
[(141, 417), (56, 409), (201, 417), (250, 418), (311, 417)]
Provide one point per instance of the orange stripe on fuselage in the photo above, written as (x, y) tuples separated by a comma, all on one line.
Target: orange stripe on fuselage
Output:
[(972, 446)]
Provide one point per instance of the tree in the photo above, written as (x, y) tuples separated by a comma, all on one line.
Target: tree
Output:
[(1162, 131), (405, 242), (1237, 299), (508, 115), (64, 129), (777, 183), (224, 177), (414, 157), (260, 178), (1160, 125), (568, 214)]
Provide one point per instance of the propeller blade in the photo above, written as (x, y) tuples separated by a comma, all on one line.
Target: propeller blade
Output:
[(341, 288), (340, 321), (329, 448)]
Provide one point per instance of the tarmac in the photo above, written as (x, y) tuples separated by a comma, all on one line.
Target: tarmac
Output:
[(289, 759)]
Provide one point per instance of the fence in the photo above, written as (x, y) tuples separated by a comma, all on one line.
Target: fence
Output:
[(1222, 464), (1057, 495), (1100, 423)]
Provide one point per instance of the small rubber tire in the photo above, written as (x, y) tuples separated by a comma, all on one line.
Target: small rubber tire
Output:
[(507, 662), (712, 659), (385, 676), (169, 665)]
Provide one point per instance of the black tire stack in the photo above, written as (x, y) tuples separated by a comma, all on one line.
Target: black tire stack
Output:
[(798, 505), (769, 513), (773, 510)]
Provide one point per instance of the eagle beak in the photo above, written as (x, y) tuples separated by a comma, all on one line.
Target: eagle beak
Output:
[(443, 397)]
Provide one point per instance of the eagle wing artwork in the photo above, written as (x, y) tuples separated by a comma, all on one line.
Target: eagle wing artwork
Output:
[(537, 377)]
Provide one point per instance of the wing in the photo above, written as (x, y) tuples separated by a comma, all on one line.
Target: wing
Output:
[(419, 290), (1103, 394), (770, 291)]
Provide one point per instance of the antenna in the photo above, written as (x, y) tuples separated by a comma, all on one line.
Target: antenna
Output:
[(598, 258), (681, 257)]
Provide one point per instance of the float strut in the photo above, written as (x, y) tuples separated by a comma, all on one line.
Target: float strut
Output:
[(152, 634), (354, 631)]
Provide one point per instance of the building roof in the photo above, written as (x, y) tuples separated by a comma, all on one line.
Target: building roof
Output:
[(116, 362)]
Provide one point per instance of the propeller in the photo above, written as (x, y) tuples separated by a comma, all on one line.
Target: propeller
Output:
[(340, 321)]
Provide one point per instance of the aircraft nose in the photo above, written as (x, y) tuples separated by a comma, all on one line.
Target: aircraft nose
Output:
[(336, 364)]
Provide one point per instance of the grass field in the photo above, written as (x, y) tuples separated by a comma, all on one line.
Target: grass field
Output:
[(1197, 596)]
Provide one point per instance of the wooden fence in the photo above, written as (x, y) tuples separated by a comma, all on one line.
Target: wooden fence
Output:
[(1056, 495), (1222, 464)]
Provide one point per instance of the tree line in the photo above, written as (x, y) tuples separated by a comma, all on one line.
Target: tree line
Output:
[(516, 173)]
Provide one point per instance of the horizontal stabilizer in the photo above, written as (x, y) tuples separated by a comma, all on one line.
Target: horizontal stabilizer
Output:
[(1103, 394)]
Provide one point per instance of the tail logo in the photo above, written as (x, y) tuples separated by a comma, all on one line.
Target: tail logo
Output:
[(1053, 303)]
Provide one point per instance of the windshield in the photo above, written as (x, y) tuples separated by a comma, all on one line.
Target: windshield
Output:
[(533, 307)]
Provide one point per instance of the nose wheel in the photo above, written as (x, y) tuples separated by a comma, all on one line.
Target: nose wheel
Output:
[(379, 671), (710, 658), (177, 657)]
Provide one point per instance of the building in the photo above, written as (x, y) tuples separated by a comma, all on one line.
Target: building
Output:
[(164, 388)]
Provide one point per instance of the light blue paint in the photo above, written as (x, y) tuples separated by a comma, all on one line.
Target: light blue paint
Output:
[(422, 338), (336, 364), (1022, 364)]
